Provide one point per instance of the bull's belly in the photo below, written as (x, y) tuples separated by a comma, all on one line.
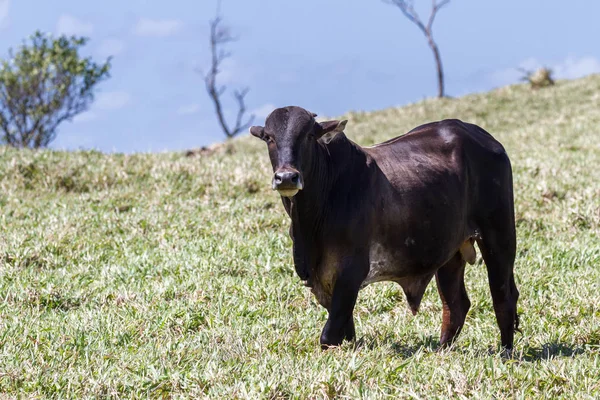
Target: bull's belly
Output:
[(387, 264), (393, 265), (384, 264)]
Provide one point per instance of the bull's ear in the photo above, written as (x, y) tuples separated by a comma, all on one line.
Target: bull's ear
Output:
[(258, 131), (333, 127)]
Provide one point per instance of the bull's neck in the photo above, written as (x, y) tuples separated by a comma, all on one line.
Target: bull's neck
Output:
[(330, 163)]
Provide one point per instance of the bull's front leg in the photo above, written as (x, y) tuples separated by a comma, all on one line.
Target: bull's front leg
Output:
[(299, 254), (352, 271)]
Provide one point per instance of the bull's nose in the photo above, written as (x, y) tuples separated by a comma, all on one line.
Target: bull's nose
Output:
[(286, 178), (287, 182)]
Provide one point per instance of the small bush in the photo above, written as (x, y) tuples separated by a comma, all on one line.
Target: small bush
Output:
[(542, 77)]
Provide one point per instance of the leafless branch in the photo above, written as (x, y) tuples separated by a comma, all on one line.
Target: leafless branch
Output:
[(435, 7), (408, 9), (220, 35)]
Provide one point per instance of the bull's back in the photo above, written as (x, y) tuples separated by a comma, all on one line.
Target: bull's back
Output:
[(441, 154), (436, 139)]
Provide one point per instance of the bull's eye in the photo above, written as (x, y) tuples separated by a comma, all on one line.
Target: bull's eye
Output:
[(270, 140)]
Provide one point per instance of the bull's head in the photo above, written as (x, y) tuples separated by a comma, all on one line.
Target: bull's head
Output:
[(291, 134)]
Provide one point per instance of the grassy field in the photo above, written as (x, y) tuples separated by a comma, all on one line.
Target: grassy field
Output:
[(161, 275)]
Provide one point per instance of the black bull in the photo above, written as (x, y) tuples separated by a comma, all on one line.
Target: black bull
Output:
[(403, 211)]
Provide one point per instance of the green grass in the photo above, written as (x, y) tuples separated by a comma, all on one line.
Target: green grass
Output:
[(160, 275)]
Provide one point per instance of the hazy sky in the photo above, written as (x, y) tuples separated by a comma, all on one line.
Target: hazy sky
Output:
[(329, 56)]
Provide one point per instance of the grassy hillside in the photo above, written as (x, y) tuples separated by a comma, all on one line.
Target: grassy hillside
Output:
[(165, 275)]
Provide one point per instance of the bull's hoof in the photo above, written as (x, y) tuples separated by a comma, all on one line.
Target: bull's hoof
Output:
[(326, 345), (328, 342), (507, 353), (332, 336)]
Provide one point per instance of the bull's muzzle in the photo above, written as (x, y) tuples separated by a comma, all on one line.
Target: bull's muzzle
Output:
[(287, 182)]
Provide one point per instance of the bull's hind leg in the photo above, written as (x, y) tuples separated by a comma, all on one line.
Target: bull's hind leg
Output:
[(498, 247), (450, 280)]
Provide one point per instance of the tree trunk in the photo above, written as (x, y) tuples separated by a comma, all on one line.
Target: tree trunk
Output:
[(438, 64)]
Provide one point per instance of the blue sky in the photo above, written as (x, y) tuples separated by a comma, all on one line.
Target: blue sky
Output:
[(329, 56)]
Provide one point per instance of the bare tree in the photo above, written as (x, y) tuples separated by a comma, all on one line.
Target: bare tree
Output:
[(220, 35), (408, 9)]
